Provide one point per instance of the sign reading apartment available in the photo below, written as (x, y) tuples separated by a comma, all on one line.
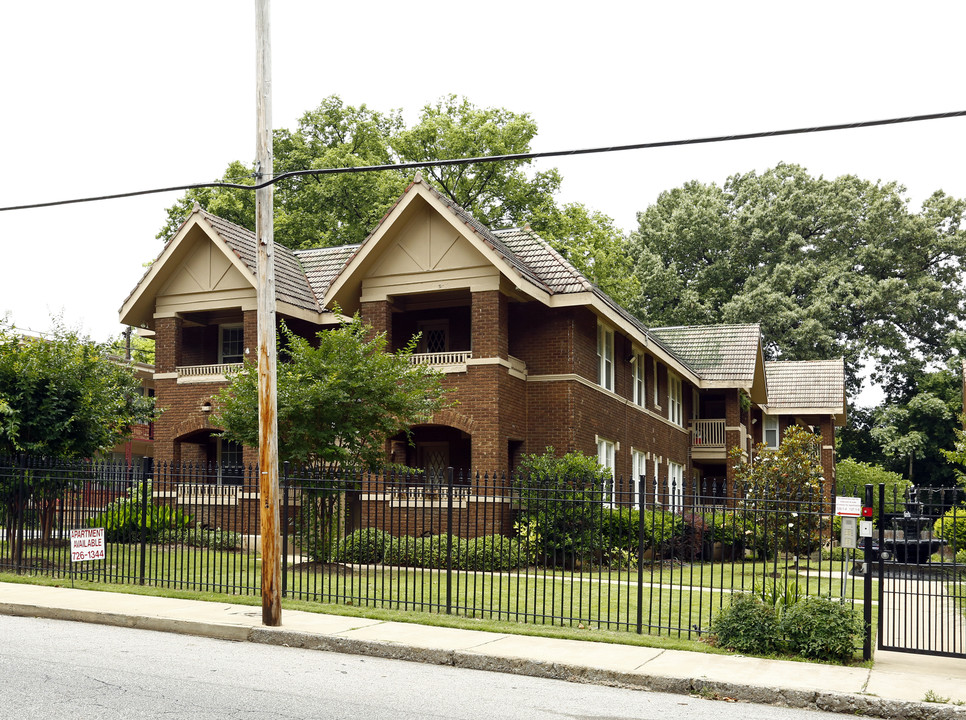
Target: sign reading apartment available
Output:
[(87, 544), (848, 506)]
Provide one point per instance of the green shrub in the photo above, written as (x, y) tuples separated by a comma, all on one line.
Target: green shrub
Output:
[(822, 629), (426, 552), (619, 527), (216, 539), (125, 520), (951, 527), (747, 625), (852, 476), (365, 546), (563, 496), (489, 553)]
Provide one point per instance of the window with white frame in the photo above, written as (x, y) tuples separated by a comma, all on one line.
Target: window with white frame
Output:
[(657, 402), (639, 475), (231, 343), (637, 370), (771, 431), (675, 485), (675, 407), (606, 456), (605, 357)]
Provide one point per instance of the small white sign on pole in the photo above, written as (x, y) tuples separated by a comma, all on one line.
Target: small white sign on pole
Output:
[(848, 506), (87, 544)]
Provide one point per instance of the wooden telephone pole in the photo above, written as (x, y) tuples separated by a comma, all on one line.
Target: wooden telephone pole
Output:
[(267, 393)]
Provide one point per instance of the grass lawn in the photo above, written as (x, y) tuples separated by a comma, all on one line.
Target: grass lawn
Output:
[(676, 601)]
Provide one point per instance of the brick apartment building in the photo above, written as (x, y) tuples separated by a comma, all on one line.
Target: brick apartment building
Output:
[(535, 354)]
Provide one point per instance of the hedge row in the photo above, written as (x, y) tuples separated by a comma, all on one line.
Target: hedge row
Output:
[(491, 552)]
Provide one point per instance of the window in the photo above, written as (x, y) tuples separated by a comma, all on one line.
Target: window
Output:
[(434, 336), (606, 457), (605, 357), (230, 465), (675, 412), (675, 482), (231, 343), (639, 474), (637, 370), (771, 431), (657, 402)]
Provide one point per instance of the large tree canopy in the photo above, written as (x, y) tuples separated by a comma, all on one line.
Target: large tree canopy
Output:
[(828, 267), (337, 209)]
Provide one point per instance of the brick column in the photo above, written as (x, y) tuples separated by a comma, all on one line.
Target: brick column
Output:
[(168, 336), (489, 319), (378, 314)]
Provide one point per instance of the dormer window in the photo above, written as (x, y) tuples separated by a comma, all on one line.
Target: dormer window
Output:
[(231, 343)]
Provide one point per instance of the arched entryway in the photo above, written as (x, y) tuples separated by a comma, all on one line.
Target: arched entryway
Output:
[(433, 448)]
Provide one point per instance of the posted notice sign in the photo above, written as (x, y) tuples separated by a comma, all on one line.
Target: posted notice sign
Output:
[(848, 506), (87, 544)]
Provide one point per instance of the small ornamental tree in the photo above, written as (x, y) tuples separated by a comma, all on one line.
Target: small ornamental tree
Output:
[(781, 493), (61, 397), (339, 399)]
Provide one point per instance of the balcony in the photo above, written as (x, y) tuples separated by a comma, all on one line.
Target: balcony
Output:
[(708, 439), (216, 372), (453, 357)]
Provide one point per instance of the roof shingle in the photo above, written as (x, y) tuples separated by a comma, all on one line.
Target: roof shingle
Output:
[(806, 384)]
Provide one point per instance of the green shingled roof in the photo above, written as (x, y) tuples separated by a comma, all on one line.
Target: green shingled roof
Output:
[(715, 352)]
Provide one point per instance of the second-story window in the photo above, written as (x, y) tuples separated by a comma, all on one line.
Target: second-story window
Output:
[(605, 357), (675, 411), (433, 336), (638, 372), (771, 431), (231, 343)]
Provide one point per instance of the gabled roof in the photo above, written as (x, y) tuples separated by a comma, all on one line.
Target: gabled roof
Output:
[(723, 355), (234, 242), (322, 265), (806, 387), (291, 283)]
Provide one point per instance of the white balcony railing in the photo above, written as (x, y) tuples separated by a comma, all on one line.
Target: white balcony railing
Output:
[(454, 357), (202, 370), (708, 433)]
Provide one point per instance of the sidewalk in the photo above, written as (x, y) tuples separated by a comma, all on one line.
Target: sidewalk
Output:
[(893, 688)]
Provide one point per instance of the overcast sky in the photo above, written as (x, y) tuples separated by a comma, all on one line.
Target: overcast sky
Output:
[(105, 97)]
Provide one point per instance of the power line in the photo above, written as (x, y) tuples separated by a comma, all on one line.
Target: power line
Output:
[(504, 158)]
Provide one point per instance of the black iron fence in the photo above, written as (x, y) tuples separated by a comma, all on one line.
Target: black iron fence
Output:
[(634, 556)]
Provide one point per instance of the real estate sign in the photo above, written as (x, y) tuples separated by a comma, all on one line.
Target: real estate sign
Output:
[(87, 544)]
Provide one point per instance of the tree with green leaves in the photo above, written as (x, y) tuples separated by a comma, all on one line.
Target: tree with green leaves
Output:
[(61, 397), (340, 397), (337, 209), (783, 493), (141, 349), (829, 268), (917, 424)]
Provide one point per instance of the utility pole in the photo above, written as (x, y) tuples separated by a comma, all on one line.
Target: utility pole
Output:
[(267, 393)]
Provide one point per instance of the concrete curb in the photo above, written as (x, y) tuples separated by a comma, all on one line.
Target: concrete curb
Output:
[(847, 703), (837, 702)]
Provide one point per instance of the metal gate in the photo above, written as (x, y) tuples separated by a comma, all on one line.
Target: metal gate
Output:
[(918, 551)]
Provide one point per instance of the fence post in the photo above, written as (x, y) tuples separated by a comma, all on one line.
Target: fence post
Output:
[(144, 524), (449, 540), (284, 527), (867, 586), (642, 486)]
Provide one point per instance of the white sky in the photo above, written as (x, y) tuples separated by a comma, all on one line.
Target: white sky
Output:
[(104, 97)]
